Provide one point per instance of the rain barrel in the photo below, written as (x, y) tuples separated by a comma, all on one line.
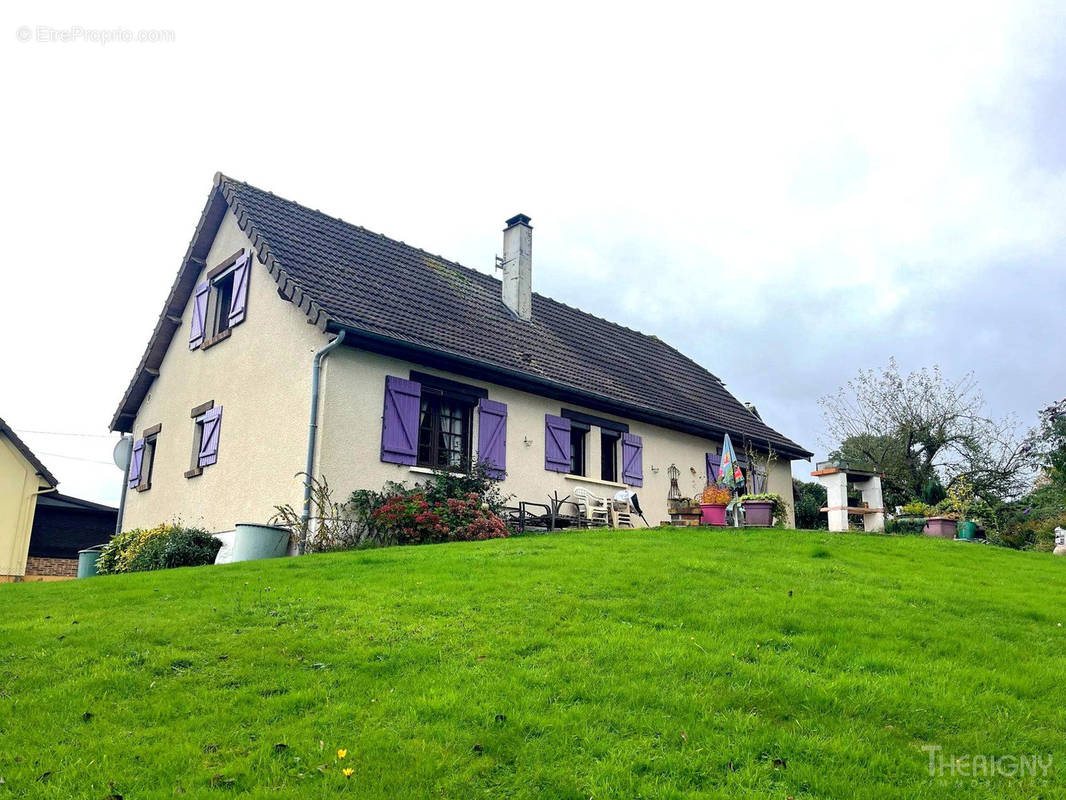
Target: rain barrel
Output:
[(252, 541), (87, 559)]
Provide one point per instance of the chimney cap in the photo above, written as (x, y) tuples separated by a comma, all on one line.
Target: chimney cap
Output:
[(518, 219)]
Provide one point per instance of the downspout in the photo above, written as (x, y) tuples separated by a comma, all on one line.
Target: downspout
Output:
[(312, 431), (125, 484)]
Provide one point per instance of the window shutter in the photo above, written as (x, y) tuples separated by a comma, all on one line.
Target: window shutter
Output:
[(714, 461), (758, 480), (136, 460), (632, 460), (399, 421), (199, 314), (212, 422), (239, 299), (556, 443), (492, 437)]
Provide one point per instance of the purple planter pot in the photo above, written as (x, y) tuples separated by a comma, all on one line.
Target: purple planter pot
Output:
[(940, 527), (712, 513), (758, 513)]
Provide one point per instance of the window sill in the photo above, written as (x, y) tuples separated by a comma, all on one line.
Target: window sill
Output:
[(218, 337), (597, 481), (431, 471), (144, 487), (192, 473)]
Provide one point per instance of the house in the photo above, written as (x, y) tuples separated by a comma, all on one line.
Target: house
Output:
[(62, 526), (410, 362), (23, 479)]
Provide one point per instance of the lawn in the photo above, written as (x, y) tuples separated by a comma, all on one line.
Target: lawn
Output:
[(657, 663)]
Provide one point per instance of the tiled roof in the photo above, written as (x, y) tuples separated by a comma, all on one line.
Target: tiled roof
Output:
[(344, 276)]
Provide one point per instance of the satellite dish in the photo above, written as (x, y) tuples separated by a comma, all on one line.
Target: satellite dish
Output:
[(121, 453)]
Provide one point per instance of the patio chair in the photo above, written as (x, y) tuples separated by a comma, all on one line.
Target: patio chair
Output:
[(621, 514), (595, 509)]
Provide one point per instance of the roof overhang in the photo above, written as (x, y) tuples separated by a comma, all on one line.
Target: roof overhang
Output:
[(471, 368)]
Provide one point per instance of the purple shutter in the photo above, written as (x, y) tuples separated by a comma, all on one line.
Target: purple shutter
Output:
[(399, 422), (239, 299), (492, 437), (632, 460), (136, 460), (556, 443), (212, 422), (199, 314), (714, 461)]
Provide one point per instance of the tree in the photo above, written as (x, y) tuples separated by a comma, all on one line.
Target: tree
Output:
[(808, 499), (921, 430), (1049, 443)]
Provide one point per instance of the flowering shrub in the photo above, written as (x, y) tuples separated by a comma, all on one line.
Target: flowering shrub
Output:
[(450, 506), (412, 518), (161, 547), (716, 495)]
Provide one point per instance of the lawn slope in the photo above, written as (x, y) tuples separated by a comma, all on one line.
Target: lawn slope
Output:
[(662, 663)]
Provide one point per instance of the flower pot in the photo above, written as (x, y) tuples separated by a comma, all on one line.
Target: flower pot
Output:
[(252, 542), (712, 513), (940, 527), (758, 513)]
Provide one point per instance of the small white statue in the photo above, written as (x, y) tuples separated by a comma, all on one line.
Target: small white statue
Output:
[(1060, 542)]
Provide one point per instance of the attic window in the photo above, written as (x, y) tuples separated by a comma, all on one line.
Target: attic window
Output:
[(222, 298), (220, 302)]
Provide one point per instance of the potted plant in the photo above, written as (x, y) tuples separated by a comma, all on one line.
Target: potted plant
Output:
[(761, 509), (942, 526), (713, 503)]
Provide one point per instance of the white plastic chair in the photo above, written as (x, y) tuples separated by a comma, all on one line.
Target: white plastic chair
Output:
[(593, 508), (621, 514)]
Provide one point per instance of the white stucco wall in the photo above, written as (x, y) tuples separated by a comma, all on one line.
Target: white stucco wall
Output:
[(349, 447), (260, 375)]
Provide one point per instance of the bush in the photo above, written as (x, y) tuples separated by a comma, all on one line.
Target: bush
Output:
[(161, 547), (913, 526), (809, 498), (447, 507), (916, 508)]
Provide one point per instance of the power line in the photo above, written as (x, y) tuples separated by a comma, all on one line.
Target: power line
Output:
[(58, 433), (75, 458)]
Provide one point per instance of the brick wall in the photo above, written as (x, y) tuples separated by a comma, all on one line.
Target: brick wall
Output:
[(36, 566)]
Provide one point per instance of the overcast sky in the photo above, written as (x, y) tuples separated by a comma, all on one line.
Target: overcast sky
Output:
[(784, 195)]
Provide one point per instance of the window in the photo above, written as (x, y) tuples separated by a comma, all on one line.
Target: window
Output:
[(142, 460), (207, 426), (220, 302), (609, 455), (151, 436), (577, 448), (222, 298), (443, 429)]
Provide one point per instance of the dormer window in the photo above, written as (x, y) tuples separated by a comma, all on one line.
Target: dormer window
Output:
[(220, 302)]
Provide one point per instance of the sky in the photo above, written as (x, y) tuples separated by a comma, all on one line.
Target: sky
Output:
[(786, 194)]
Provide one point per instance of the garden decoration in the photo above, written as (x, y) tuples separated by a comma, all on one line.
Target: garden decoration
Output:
[(730, 476)]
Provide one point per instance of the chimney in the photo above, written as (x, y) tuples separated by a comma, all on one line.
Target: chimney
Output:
[(517, 265)]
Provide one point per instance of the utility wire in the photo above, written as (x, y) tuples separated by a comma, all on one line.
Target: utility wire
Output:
[(75, 458), (58, 433)]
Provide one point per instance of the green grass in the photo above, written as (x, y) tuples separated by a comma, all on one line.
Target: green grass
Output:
[(663, 663)]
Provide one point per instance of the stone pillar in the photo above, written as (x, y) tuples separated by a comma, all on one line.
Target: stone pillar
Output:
[(836, 489), (871, 495)]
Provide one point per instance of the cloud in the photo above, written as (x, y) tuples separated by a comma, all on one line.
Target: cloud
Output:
[(784, 194)]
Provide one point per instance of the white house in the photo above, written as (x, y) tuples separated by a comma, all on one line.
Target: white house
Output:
[(422, 364)]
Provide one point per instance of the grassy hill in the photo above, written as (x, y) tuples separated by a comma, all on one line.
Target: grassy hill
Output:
[(663, 663)]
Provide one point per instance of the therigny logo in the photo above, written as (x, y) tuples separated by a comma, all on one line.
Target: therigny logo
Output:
[(985, 766)]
